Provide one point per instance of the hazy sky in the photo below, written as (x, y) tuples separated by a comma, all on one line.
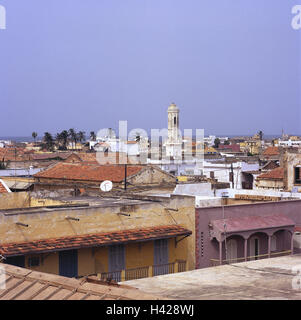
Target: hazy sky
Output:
[(232, 66)]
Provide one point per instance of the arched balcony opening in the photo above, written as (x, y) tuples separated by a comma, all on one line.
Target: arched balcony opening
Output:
[(258, 246), (282, 242)]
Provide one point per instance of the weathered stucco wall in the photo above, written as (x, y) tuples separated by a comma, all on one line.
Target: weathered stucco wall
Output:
[(24, 200), (152, 175), (290, 161), (14, 200), (53, 224), (270, 184)]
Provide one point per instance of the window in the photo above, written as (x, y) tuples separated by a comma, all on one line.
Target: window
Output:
[(297, 178), (33, 261), (202, 244)]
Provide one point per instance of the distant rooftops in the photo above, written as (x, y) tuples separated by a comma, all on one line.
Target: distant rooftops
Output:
[(275, 174), (271, 151), (230, 147), (88, 172)]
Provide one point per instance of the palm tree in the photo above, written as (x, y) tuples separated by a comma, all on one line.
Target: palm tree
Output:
[(73, 136), (48, 140), (227, 142), (34, 135), (92, 136), (260, 133), (216, 142), (81, 136), (62, 139)]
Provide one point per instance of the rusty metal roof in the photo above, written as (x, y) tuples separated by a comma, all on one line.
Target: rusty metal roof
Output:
[(24, 284)]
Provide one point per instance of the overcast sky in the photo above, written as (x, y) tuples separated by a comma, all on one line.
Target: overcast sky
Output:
[(231, 66)]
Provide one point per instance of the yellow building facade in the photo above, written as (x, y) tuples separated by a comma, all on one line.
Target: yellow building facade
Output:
[(28, 227)]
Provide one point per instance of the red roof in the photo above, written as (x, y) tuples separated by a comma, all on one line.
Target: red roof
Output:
[(270, 165), (252, 223), (50, 155), (229, 147), (14, 154), (93, 240), (297, 229), (271, 151), (88, 172), (275, 174)]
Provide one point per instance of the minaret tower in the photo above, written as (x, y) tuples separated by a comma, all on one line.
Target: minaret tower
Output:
[(174, 141)]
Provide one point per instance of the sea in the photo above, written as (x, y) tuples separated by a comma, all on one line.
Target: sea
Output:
[(30, 139)]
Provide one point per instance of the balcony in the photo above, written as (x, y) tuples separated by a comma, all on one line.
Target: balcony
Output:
[(143, 272)]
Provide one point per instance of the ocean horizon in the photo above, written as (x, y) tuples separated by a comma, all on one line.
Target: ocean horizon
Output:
[(30, 139)]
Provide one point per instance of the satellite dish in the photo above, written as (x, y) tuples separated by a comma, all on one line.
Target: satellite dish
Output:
[(106, 186)]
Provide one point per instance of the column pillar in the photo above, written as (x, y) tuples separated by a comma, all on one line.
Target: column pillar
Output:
[(292, 243), (220, 252), (269, 246), (246, 249)]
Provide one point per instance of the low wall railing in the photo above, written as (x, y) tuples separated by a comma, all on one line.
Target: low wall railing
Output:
[(216, 262), (144, 272)]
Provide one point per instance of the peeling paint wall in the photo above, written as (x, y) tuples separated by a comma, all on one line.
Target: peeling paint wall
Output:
[(290, 161), (19, 200), (53, 224)]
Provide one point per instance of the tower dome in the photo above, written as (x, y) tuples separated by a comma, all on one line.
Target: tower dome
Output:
[(173, 107)]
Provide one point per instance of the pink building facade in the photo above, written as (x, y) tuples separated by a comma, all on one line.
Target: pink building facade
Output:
[(237, 233)]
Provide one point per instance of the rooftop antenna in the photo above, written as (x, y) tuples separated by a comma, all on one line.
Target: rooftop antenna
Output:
[(125, 175), (15, 164), (225, 232)]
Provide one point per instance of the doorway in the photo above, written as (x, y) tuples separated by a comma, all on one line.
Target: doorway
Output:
[(161, 257), (254, 248), (231, 251), (68, 263)]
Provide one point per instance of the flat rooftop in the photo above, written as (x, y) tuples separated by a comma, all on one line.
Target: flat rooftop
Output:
[(77, 203), (267, 279)]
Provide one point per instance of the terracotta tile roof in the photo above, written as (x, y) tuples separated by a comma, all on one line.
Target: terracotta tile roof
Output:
[(14, 154), (252, 223), (107, 158), (87, 172), (25, 284), (277, 174), (229, 147), (51, 155), (271, 151), (92, 240), (270, 165), (90, 157)]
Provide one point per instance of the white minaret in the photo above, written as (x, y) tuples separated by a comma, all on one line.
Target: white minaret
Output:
[(174, 141)]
